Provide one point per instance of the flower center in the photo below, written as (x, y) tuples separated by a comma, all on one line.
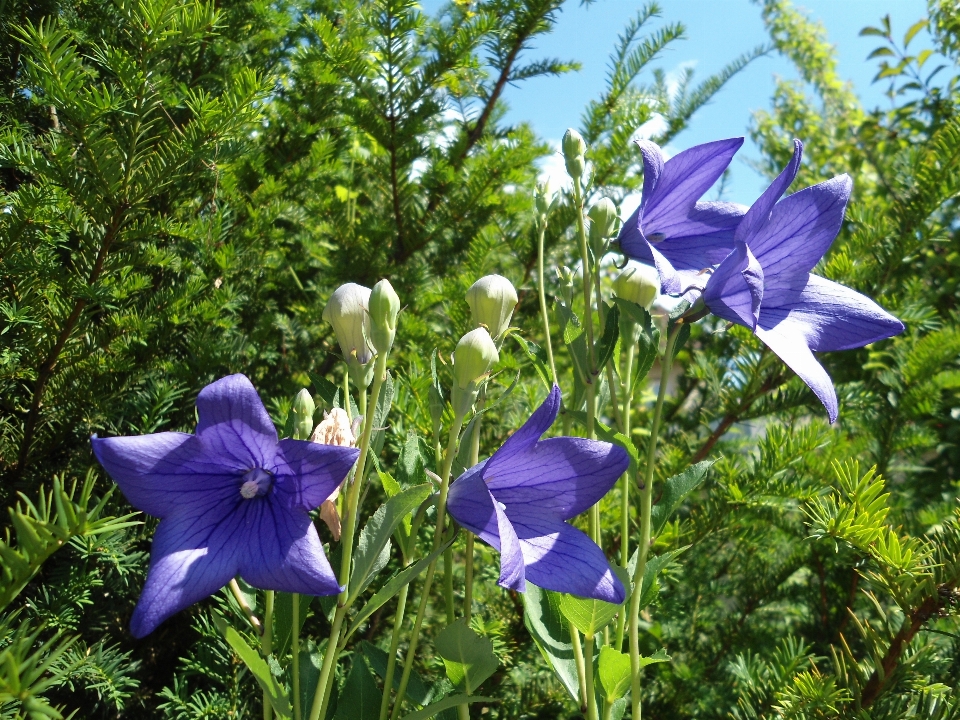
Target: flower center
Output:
[(255, 482)]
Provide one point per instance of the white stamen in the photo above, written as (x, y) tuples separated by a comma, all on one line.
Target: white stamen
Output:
[(249, 489)]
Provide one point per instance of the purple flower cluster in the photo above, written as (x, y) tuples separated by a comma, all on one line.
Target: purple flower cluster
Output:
[(752, 266)]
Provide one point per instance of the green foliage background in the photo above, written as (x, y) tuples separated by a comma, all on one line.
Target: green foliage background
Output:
[(183, 184)]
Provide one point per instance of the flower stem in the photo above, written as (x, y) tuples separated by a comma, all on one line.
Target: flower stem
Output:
[(295, 642), (266, 647), (581, 671), (625, 485), (588, 675), (432, 567), (322, 696), (247, 610), (543, 300), (394, 644), (646, 503)]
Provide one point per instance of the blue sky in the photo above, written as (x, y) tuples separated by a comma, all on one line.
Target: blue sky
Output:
[(717, 32)]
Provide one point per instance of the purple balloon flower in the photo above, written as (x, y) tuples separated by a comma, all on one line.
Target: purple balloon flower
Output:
[(670, 228), (518, 499), (232, 500), (765, 283)]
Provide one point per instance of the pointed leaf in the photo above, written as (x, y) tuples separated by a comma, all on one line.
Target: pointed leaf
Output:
[(589, 616), (259, 669), (538, 358), (360, 698), (615, 673), (675, 489), (451, 701), (468, 657), (551, 632)]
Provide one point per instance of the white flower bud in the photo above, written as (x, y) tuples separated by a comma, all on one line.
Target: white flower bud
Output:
[(492, 299), (603, 218), (348, 310), (638, 283), (543, 197), (473, 358), (384, 307)]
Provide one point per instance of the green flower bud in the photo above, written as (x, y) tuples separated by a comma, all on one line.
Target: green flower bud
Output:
[(638, 283), (565, 276), (302, 410), (574, 149), (492, 299), (473, 358), (384, 306), (543, 197), (603, 221), (348, 310)]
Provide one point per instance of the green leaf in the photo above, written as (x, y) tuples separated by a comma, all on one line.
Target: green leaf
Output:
[(551, 632), (468, 657), (589, 616), (649, 587), (451, 701), (360, 698), (882, 51), (872, 31), (416, 688), (311, 660), (411, 465), (392, 587), (375, 536), (538, 358), (675, 489), (326, 390), (682, 336), (659, 656), (259, 668), (615, 674), (913, 30), (611, 331)]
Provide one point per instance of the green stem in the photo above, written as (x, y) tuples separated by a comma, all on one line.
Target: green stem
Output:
[(625, 485), (448, 585), (646, 503), (247, 610), (432, 567), (295, 642), (581, 670), (322, 696), (392, 657), (266, 647), (588, 674), (543, 300)]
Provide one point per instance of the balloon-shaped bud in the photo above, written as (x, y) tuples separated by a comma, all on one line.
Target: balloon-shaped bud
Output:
[(603, 219), (574, 149), (543, 197), (348, 310), (476, 353), (384, 307), (565, 278), (492, 300), (302, 411), (638, 283)]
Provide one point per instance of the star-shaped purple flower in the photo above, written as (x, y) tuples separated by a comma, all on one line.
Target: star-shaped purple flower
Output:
[(765, 283), (670, 228), (519, 499), (232, 500)]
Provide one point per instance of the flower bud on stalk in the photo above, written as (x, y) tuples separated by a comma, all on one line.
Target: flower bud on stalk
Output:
[(565, 276), (639, 284), (574, 150), (384, 307), (475, 355), (603, 222), (303, 409), (348, 310), (492, 300), (543, 201)]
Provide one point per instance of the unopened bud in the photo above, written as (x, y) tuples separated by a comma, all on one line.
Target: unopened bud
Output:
[(473, 358), (638, 283), (543, 197), (303, 409), (384, 307), (574, 149), (492, 300), (603, 220), (348, 310), (565, 277)]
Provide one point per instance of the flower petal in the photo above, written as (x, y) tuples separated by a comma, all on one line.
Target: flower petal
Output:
[(234, 424), (653, 161), (308, 473), (284, 550), (560, 476), (470, 504), (800, 230), (684, 179), (195, 552), (707, 220), (829, 316), (159, 473), (527, 435), (786, 340), (512, 570), (759, 212), (735, 289), (559, 557)]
